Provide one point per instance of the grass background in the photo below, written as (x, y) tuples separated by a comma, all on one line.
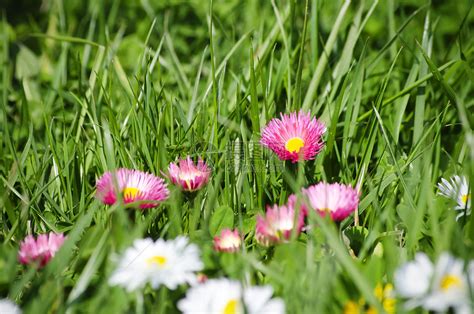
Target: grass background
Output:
[(88, 86)]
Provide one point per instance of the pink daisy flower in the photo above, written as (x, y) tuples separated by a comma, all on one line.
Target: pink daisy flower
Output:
[(41, 250), (278, 223), (337, 200), (294, 137), (229, 241), (134, 185), (189, 176)]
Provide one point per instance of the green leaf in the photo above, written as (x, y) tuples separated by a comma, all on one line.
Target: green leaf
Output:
[(27, 64), (355, 238), (223, 217)]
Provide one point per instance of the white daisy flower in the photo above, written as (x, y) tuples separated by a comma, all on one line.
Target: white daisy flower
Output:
[(224, 296), (436, 287), (8, 307), (457, 189), (449, 286), (168, 263), (412, 280)]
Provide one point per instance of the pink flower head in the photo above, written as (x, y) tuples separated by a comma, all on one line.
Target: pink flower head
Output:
[(294, 137), (189, 176), (201, 278), (40, 251), (278, 223), (229, 241), (336, 199), (134, 185)]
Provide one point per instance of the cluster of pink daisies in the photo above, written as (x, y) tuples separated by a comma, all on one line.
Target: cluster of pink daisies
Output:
[(147, 190), (133, 187), (298, 137), (294, 137), (336, 201)]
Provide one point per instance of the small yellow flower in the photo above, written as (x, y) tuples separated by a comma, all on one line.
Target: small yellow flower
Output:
[(384, 294), (351, 307)]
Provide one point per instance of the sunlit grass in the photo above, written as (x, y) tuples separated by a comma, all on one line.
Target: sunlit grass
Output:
[(91, 86)]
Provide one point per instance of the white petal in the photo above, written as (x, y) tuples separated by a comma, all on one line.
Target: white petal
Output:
[(9, 307), (412, 280)]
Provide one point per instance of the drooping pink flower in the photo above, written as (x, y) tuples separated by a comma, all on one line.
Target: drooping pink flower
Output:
[(134, 185), (278, 224), (189, 176), (229, 241), (40, 250), (337, 200), (294, 137)]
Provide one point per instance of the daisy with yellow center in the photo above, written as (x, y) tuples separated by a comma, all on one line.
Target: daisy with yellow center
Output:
[(437, 287), (449, 286), (189, 176), (295, 136), (224, 296), (169, 263), (457, 189), (134, 186)]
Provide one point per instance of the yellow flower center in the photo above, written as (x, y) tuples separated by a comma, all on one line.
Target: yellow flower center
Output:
[(449, 281), (465, 198), (156, 260), (231, 307), (130, 192), (294, 144)]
